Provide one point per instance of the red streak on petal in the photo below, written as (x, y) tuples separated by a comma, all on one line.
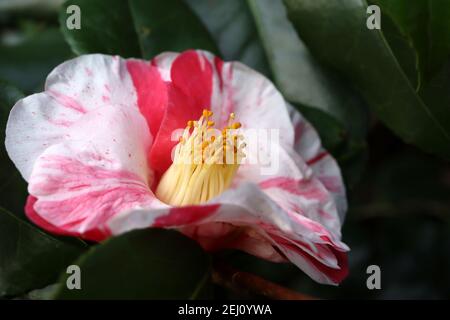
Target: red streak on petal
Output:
[(151, 93), (192, 73), (185, 215), (78, 199), (317, 158), (67, 101), (304, 188), (332, 183), (219, 66), (336, 275)]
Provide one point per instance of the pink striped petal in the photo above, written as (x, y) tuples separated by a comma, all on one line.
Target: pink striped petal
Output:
[(179, 110), (151, 92), (72, 90), (248, 219), (85, 145), (189, 94), (325, 167), (82, 182), (228, 87)]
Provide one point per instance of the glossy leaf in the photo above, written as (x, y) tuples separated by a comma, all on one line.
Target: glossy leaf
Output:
[(427, 24), (297, 73), (106, 27), (142, 264), (135, 28), (233, 28), (336, 32), (27, 63), (168, 25), (29, 258)]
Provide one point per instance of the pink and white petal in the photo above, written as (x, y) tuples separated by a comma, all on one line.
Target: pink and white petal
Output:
[(220, 235), (273, 222), (253, 98), (247, 219), (292, 184), (163, 62), (226, 87), (180, 109), (306, 200), (92, 81), (152, 94), (37, 220), (316, 270), (73, 89), (308, 145), (235, 88), (35, 123), (193, 75), (84, 181), (189, 94), (268, 161), (263, 207)]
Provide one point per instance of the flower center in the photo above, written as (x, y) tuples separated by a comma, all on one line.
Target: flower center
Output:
[(205, 162)]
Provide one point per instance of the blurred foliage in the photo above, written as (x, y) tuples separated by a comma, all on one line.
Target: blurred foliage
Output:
[(425, 24), (232, 27), (27, 62), (329, 66), (107, 28), (368, 60), (13, 188), (29, 258)]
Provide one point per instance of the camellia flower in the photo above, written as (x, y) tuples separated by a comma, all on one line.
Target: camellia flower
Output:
[(99, 151)]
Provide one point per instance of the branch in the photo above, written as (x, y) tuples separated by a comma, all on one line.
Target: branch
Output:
[(239, 281)]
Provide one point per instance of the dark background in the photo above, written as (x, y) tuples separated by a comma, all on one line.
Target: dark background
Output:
[(399, 204)]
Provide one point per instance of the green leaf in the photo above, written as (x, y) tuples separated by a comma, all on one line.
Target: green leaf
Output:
[(168, 25), (233, 28), (436, 92), (142, 264), (427, 24), (298, 75), (27, 64), (135, 28), (403, 50), (106, 27), (29, 258), (336, 32), (13, 189)]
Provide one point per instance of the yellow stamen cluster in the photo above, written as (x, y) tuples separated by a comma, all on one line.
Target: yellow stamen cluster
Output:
[(205, 162)]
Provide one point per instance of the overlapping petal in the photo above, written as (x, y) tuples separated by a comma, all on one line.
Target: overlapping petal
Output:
[(246, 218), (93, 145), (85, 180), (200, 81), (72, 89)]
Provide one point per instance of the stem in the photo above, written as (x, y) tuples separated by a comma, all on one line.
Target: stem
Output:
[(239, 281)]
